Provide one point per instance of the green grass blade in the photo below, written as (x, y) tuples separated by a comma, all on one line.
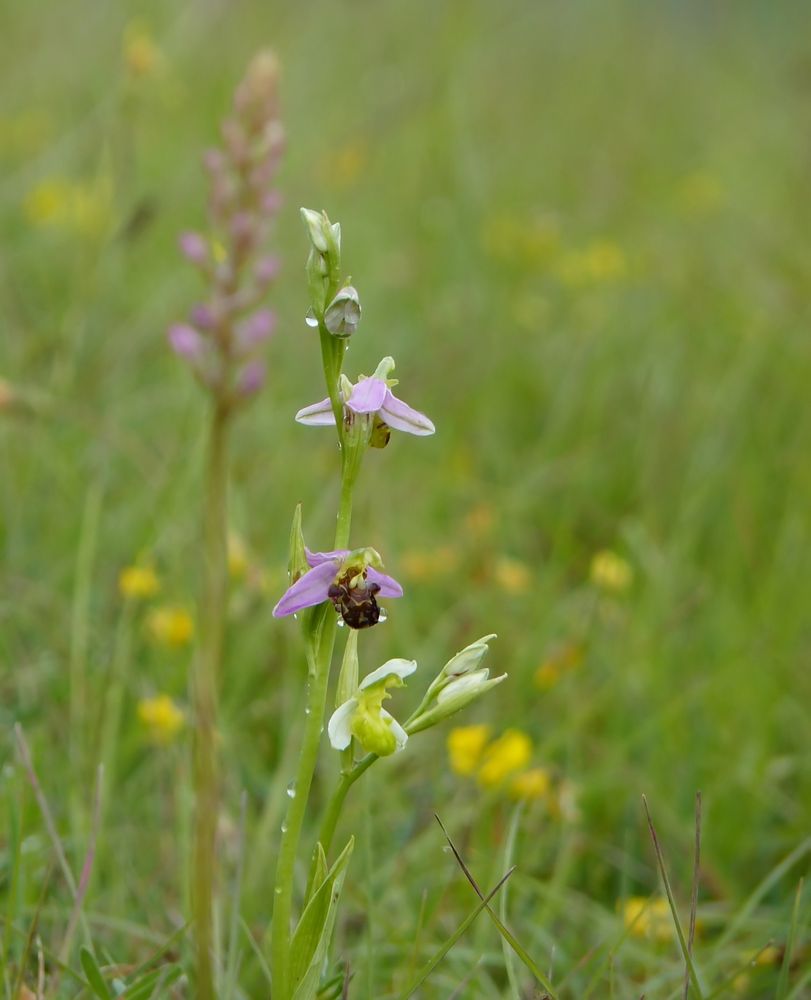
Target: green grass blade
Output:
[(429, 966), (785, 969), (671, 900), (505, 932), (94, 976)]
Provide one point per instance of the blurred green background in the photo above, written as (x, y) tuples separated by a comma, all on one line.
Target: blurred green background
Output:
[(582, 231)]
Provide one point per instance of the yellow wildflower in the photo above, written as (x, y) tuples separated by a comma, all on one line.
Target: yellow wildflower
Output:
[(170, 625), (238, 562), (648, 918), (138, 581), (141, 55), (511, 575), (509, 753), (48, 203), (600, 262), (465, 746), (343, 167), (84, 208), (532, 784), (479, 520), (559, 662), (423, 564), (162, 718), (610, 572), (522, 238), (770, 955)]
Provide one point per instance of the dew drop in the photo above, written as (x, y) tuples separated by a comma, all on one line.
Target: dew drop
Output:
[(291, 790), (278, 890), (384, 616), (341, 622), (307, 710), (310, 319), (284, 827)]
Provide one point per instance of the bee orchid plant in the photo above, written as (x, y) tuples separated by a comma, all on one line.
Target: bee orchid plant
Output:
[(343, 586)]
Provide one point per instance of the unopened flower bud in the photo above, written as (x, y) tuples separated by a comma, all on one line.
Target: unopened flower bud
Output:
[(457, 684), (251, 379), (318, 227), (194, 248), (342, 315), (297, 564), (185, 341), (348, 677), (256, 329)]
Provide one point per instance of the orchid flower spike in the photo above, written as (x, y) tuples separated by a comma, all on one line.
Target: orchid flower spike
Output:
[(371, 397), (351, 579), (364, 717)]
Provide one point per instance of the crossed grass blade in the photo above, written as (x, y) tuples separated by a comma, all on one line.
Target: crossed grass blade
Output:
[(505, 932), (432, 963)]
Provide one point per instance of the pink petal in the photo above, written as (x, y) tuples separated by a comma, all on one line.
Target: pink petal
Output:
[(307, 591), (389, 587), (317, 558), (368, 395), (402, 417), (317, 415)]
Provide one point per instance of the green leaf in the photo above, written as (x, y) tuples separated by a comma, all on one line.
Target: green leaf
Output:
[(145, 986), (94, 976), (308, 948)]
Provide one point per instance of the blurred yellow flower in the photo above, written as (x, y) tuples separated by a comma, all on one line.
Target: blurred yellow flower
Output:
[(170, 625), (559, 662), (423, 564), (142, 57), (600, 262), (527, 238), (162, 718), (47, 203), (511, 575), (465, 746), (78, 207), (648, 917), (238, 562), (509, 753), (700, 193), (344, 167), (610, 572), (770, 955), (479, 521), (532, 784), (138, 581)]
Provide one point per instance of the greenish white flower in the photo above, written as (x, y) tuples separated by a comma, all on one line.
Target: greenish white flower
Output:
[(363, 717)]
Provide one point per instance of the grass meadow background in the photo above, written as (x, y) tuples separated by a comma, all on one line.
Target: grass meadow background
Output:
[(583, 232)]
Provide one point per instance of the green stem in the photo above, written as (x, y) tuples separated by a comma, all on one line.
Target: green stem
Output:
[(205, 684), (319, 649), (333, 811)]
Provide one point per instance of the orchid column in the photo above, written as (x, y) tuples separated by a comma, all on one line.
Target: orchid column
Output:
[(221, 343)]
